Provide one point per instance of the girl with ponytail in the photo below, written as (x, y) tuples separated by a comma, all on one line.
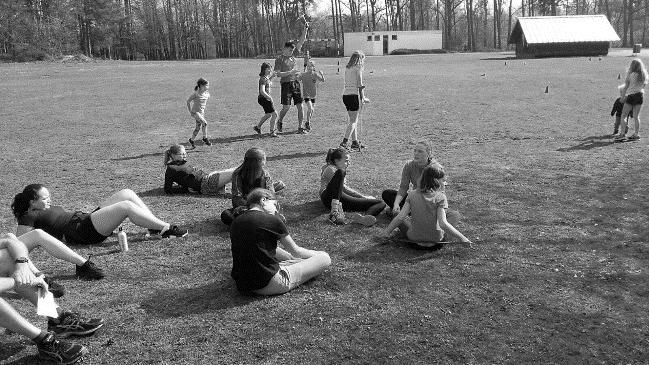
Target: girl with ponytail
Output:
[(427, 206), (339, 197), (197, 110), (189, 178)]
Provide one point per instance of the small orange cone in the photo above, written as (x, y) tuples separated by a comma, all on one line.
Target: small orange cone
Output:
[(618, 76), (547, 89)]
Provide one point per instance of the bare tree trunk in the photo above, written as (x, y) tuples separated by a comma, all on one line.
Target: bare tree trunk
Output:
[(631, 16), (625, 26), (411, 11)]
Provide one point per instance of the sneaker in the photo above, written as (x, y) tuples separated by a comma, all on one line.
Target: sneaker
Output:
[(174, 231), (344, 145), (620, 137), (62, 352), (279, 186), (302, 131), (633, 137), (356, 145), (273, 134), (89, 271), (55, 288), (207, 141), (154, 232), (337, 214), (366, 220), (307, 126), (72, 324), (280, 126), (257, 129), (191, 142)]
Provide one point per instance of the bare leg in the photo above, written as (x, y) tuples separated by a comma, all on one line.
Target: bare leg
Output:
[(272, 121), (636, 118), (204, 128), (56, 248), (351, 127), (300, 114), (196, 129), (625, 114), (263, 119), (125, 195), (225, 176), (106, 219), (282, 113), (13, 321)]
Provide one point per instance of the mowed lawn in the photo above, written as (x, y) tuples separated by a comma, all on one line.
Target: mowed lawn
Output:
[(557, 211)]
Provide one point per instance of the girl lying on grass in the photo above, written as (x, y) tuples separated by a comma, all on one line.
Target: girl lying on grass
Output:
[(32, 209), (251, 174), (190, 178), (258, 265), (339, 197), (427, 208)]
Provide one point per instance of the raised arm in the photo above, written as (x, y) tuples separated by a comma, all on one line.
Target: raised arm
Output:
[(302, 39)]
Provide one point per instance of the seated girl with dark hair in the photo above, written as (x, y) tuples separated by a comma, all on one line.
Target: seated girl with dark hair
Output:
[(189, 178), (340, 198), (258, 264), (427, 207), (32, 209), (250, 175)]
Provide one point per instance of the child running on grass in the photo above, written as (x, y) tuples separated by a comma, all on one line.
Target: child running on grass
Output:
[(636, 80), (310, 79), (197, 109), (427, 208), (265, 100)]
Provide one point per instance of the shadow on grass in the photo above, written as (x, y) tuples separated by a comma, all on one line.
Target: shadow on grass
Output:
[(505, 58), (296, 155), (190, 301), (210, 227), (161, 192), (10, 349), (586, 145), (153, 154), (298, 213), (232, 139), (390, 250)]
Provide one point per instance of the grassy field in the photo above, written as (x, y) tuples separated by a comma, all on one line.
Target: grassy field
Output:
[(557, 211)]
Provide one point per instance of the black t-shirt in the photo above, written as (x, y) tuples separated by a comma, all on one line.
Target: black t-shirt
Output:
[(55, 221), (254, 235), (184, 175)]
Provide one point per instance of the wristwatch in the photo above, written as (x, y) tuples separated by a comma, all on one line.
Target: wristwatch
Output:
[(21, 260)]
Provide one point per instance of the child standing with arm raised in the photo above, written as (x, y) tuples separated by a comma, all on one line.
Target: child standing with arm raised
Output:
[(197, 109)]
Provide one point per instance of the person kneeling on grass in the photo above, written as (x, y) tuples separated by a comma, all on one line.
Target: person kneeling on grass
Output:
[(339, 197), (18, 273), (189, 178), (258, 265), (251, 174), (32, 209), (85, 269), (427, 207)]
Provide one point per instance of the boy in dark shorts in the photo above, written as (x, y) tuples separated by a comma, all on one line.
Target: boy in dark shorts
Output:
[(617, 111), (290, 86)]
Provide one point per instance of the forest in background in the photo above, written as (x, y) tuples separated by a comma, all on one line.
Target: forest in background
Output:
[(199, 29)]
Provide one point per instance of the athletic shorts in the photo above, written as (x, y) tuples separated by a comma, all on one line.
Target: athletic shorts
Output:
[(291, 90), (81, 231), (635, 99), (312, 100), (352, 102), (210, 184), (266, 104)]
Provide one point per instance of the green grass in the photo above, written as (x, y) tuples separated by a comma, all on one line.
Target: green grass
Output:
[(559, 214)]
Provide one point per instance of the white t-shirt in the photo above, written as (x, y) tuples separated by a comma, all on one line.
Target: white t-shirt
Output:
[(635, 85), (200, 100), (353, 80)]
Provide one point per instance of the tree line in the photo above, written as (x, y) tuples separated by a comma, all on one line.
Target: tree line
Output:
[(195, 29)]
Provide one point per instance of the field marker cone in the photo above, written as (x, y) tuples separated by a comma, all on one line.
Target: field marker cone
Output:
[(505, 63), (484, 74), (618, 76), (547, 89)]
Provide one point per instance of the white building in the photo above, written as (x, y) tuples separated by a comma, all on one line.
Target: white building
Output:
[(384, 42)]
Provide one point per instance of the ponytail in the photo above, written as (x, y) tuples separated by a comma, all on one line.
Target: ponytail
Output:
[(22, 200), (335, 154), (200, 83), (173, 149)]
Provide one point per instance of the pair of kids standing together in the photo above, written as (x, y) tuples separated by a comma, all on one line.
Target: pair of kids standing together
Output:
[(629, 104)]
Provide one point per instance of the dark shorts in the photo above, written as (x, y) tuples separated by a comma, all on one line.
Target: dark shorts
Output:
[(81, 231), (291, 90), (312, 100), (634, 99), (352, 102), (266, 104)]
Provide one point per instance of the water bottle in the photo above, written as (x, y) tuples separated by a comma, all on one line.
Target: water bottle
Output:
[(123, 240)]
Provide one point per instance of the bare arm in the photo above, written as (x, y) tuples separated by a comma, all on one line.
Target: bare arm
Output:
[(21, 230), (446, 226), (349, 191), (262, 92), (23, 274), (302, 39), (189, 102), (296, 251), (396, 221)]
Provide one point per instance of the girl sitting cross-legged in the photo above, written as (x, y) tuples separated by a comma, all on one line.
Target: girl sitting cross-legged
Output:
[(258, 264), (427, 207)]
